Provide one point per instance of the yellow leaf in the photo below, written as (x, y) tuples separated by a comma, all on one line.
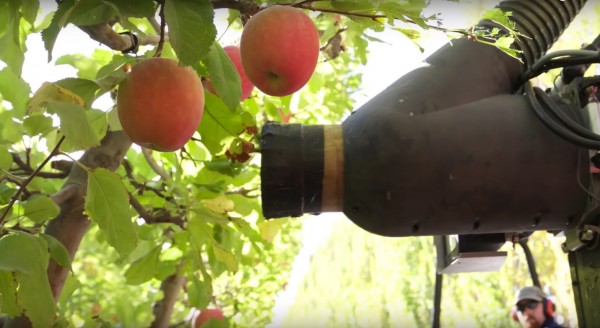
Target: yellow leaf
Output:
[(269, 229), (219, 204), (52, 92), (223, 255)]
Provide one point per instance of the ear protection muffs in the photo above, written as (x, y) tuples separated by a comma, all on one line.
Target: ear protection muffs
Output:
[(547, 304), (513, 313), (549, 308)]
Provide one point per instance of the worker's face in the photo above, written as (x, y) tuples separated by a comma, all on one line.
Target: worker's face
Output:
[(531, 313)]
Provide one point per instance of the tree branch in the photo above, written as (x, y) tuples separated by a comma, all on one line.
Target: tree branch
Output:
[(63, 166), (141, 187), (163, 25), (164, 308), (65, 194), (23, 185), (71, 224), (155, 167), (152, 219)]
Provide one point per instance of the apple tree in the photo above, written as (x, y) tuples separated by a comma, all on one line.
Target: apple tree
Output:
[(98, 230)]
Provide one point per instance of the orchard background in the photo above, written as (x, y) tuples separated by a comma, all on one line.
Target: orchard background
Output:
[(97, 232)]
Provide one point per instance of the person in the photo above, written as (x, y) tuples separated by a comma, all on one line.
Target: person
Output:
[(534, 309)]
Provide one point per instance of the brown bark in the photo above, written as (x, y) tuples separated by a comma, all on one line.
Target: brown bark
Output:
[(164, 308), (70, 226)]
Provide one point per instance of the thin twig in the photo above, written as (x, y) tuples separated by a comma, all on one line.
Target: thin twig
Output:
[(142, 186), (27, 169), (155, 167), (155, 24), (163, 24), (307, 4), (152, 219), (23, 185)]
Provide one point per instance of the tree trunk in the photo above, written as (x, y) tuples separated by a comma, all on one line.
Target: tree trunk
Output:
[(70, 226), (164, 308)]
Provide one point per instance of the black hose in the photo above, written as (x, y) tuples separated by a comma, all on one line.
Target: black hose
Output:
[(530, 262), (437, 300), (539, 22), (564, 118), (554, 126)]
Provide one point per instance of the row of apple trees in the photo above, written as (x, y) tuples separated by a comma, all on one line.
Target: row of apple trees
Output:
[(97, 231)]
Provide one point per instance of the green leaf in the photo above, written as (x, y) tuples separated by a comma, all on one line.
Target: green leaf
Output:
[(40, 209), (58, 252), (5, 16), (30, 8), (350, 6), (52, 92), (74, 124), (216, 323), (14, 244), (9, 133), (36, 297), (107, 204), (223, 76), (191, 28), (198, 294), (27, 256), (14, 90), (59, 20), (37, 124), (6, 159), (144, 268), (8, 294), (223, 255), (70, 286), (99, 121), (199, 230), (218, 123), (12, 50), (92, 12), (134, 8), (86, 89), (500, 17)]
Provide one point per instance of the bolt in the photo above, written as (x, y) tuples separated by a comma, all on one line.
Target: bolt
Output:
[(587, 235)]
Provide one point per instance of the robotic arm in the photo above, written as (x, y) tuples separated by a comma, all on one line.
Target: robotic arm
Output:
[(462, 148)]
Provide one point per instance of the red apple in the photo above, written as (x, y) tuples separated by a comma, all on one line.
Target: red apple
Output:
[(233, 52), (206, 314), (279, 48), (160, 104)]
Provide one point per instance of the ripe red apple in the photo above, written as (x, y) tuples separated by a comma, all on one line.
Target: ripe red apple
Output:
[(160, 104), (206, 314), (233, 52), (279, 48)]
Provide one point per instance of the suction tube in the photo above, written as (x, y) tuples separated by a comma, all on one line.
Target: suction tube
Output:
[(540, 22)]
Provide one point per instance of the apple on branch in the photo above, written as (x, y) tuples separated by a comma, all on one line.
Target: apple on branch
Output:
[(233, 52), (279, 47), (206, 314), (160, 104)]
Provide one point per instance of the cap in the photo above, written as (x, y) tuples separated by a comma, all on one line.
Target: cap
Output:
[(530, 293)]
